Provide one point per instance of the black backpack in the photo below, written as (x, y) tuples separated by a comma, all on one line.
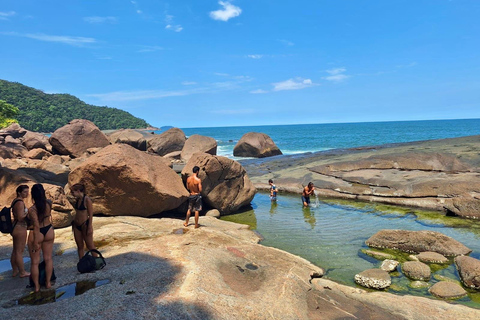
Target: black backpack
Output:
[(6, 225), (89, 263), (42, 276)]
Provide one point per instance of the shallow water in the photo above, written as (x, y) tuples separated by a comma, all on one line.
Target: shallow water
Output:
[(333, 233), (6, 266)]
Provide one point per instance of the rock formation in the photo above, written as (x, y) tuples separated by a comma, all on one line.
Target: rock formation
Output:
[(167, 142), (197, 143), (469, 271), (257, 145)]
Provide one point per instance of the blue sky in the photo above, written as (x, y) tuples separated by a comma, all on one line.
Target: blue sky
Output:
[(207, 63)]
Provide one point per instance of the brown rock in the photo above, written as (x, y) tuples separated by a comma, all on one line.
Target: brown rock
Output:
[(131, 137), (432, 257), (417, 241), (167, 142), (62, 210), (38, 154), (12, 140), (447, 290), (12, 150), (465, 207), (469, 271), (389, 265), (197, 143), (32, 140), (213, 213), (14, 130), (416, 270), (76, 137), (374, 278), (225, 184), (122, 180), (257, 145), (378, 255)]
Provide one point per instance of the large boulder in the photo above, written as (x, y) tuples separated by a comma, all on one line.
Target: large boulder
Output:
[(447, 290), (225, 183), (417, 241), (122, 180), (38, 154), (374, 278), (14, 130), (469, 271), (33, 140), (197, 143), (12, 150), (416, 270), (131, 137), (257, 145), (169, 141), (76, 137)]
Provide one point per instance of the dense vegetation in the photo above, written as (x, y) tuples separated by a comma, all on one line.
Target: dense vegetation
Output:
[(43, 112), (8, 114)]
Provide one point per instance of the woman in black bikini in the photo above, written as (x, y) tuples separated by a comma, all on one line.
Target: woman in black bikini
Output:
[(82, 225), (41, 236), (19, 232)]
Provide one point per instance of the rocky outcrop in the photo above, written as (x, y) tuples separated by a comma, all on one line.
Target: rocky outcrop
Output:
[(197, 143), (447, 290), (122, 180), (32, 140), (389, 265), (373, 278), (38, 154), (416, 270), (131, 137), (225, 183), (257, 145), (14, 130), (169, 141), (417, 241), (469, 271), (12, 150), (77, 137), (432, 257)]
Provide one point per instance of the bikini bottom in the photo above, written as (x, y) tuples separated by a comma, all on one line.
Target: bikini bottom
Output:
[(45, 229)]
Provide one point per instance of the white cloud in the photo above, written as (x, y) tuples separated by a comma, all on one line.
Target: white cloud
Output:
[(150, 49), (99, 20), (293, 84), (336, 71), (6, 15), (189, 83), (73, 41), (286, 42), (336, 75), (176, 28), (258, 91), (229, 11), (255, 56)]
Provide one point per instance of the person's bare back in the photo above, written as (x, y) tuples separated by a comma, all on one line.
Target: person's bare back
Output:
[(194, 185)]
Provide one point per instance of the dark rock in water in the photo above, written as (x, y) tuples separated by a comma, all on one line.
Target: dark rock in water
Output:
[(416, 270), (432, 257), (257, 145), (417, 241), (373, 278), (469, 270), (447, 290), (389, 265)]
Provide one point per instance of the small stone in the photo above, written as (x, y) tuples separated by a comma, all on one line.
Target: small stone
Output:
[(378, 255), (419, 284), (389, 265), (447, 290), (416, 270), (412, 257), (373, 278), (213, 213), (432, 257)]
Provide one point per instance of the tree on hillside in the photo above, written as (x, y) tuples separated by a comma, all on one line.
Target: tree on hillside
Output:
[(8, 114)]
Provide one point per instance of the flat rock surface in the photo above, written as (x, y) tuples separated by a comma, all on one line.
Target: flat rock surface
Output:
[(159, 270), (432, 257)]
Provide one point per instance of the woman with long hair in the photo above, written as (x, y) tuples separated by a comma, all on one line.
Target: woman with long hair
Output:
[(19, 232), (42, 235), (82, 225)]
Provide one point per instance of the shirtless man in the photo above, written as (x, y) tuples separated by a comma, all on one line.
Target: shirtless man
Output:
[(307, 192), (194, 186)]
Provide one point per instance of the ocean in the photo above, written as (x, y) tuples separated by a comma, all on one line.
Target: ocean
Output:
[(294, 139)]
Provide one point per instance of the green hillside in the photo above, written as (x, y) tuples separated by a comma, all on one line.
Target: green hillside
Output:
[(42, 112)]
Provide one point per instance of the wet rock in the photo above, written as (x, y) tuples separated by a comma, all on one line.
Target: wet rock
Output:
[(76, 137), (447, 290), (169, 141), (389, 265), (417, 241), (197, 143), (419, 284), (416, 270), (225, 183), (122, 180), (373, 278), (257, 145), (432, 257), (469, 271), (378, 255)]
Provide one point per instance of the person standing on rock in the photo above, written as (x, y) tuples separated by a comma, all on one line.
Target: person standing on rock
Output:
[(19, 232), (194, 186), (42, 235), (82, 225), (273, 191), (307, 192)]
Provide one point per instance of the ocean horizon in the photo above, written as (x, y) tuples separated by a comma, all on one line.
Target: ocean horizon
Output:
[(304, 138)]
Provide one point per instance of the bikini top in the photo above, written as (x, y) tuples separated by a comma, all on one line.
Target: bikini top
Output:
[(82, 205)]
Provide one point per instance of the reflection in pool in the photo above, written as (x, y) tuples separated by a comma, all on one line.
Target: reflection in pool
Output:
[(332, 235)]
